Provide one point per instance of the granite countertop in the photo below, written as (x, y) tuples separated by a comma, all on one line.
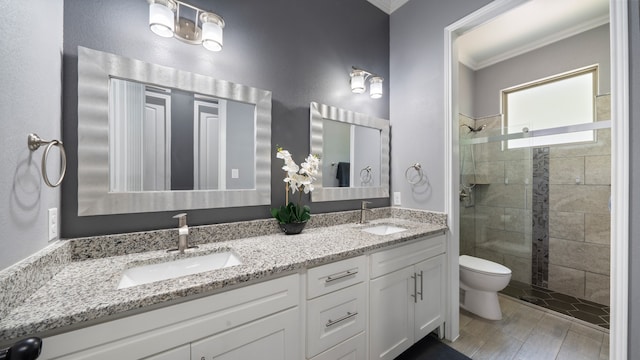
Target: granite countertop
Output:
[(86, 291)]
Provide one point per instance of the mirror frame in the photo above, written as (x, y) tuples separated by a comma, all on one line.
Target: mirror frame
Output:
[(95, 68), (319, 112)]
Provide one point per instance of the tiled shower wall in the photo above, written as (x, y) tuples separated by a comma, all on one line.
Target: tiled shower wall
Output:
[(498, 225)]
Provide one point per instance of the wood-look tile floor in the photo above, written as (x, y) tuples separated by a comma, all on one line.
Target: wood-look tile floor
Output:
[(529, 332)]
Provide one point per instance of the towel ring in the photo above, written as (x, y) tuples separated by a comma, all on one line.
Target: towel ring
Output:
[(367, 175), (34, 142), (418, 168)]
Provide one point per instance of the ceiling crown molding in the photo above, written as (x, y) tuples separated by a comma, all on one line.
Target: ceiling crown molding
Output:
[(475, 65)]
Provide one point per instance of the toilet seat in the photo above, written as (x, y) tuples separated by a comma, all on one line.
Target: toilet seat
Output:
[(483, 266)]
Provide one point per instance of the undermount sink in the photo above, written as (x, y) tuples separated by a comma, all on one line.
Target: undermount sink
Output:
[(383, 229), (145, 274)]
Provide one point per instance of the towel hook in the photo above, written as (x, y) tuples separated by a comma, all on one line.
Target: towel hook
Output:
[(34, 142), (418, 168)]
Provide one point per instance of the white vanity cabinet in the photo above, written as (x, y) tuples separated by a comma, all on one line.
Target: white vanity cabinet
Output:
[(407, 295), (337, 310), (259, 319)]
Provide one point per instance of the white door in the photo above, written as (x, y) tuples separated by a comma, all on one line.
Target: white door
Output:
[(391, 314), (156, 148), (430, 305), (276, 337), (210, 145)]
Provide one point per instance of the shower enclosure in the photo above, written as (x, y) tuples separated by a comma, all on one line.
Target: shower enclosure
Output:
[(541, 210)]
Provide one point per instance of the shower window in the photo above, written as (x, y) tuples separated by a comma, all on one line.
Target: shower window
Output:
[(556, 102)]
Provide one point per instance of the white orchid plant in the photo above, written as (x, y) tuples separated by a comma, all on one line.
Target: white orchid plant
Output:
[(300, 179)]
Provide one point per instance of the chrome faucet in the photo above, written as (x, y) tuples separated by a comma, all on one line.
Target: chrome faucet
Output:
[(363, 211), (183, 234)]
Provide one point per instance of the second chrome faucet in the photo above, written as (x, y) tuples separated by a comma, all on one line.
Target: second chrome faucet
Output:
[(363, 212), (183, 234)]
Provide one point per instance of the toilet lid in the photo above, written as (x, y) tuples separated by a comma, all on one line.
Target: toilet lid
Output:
[(482, 265)]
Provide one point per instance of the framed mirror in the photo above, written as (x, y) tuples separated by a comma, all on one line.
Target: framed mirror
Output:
[(354, 154), (154, 138)]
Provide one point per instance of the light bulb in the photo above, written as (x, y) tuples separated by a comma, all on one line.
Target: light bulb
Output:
[(357, 81), (161, 20), (375, 87), (212, 25)]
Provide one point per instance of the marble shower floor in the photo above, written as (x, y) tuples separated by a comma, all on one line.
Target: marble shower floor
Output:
[(529, 332), (585, 310)]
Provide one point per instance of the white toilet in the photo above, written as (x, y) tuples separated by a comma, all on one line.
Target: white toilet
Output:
[(480, 281)]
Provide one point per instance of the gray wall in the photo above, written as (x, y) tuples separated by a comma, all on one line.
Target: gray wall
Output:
[(241, 148), (335, 149), (417, 95), (300, 50), (466, 82), (366, 143), (588, 48), (634, 183), (181, 140), (29, 102)]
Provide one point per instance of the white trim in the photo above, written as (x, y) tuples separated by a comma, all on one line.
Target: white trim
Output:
[(542, 42), (452, 178), (451, 182), (619, 179)]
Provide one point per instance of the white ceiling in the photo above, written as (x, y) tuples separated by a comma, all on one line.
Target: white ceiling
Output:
[(388, 6), (529, 26), (532, 25)]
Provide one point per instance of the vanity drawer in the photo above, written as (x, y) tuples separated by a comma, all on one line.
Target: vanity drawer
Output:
[(386, 261), (333, 318), (352, 349), (335, 276)]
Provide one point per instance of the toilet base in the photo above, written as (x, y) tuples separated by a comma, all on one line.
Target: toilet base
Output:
[(482, 303)]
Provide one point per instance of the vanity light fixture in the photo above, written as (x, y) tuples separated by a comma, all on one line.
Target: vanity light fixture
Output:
[(173, 18), (358, 79)]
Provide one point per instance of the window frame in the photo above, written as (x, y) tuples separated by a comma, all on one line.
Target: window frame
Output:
[(591, 69)]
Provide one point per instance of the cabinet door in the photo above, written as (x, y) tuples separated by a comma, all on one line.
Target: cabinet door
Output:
[(430, 306), (391, 314), (180, 353), (276, 337)]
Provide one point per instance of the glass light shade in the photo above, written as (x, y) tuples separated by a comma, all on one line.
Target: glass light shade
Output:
[(375, 87), (161, 19), (357, 81), (212, 36)]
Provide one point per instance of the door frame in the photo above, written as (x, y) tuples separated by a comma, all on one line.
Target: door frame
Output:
[(619, 164)]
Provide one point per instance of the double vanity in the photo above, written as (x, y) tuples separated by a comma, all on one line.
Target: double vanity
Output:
[(339, 288), (343, 288)]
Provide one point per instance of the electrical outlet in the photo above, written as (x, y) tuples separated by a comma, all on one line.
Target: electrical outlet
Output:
[(53, 223), (235, 174), (397, 199)]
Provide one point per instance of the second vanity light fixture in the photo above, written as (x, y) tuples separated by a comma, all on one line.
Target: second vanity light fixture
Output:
[(173, 18), (358, 80)]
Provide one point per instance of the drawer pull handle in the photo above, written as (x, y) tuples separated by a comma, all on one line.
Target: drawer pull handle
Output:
[(348, 316), (421, 285), (415, 288), (340, 276)]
